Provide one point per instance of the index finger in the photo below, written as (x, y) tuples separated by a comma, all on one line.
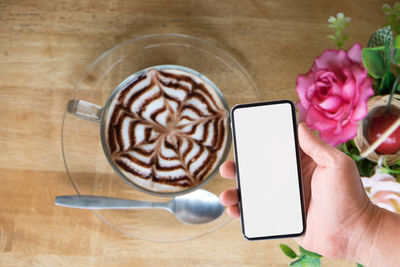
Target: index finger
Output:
[(227, 169)]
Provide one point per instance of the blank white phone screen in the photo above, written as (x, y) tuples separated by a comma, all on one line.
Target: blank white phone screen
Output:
[(268, 174)]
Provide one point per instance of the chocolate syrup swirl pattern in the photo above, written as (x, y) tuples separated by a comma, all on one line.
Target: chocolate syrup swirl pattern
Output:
[(167, 127)]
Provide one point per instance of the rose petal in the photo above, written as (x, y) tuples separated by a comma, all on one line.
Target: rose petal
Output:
[(310, 92), (359, 74), (336, 88), (322, 84), (317, 121), (330, 138), (349, 90), (303, 83), (348, 132), (354, 53), (326, 75), (302, 112), (336, 114), (331, 104), (365, 91), (333, 60)]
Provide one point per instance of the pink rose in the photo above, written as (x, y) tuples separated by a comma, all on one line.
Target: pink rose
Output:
[(334, 93)]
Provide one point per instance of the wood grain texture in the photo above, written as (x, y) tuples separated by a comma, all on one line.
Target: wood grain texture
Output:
[(45, 46)]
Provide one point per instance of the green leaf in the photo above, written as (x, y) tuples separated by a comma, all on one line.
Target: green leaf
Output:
[(396, 55), (392, 171), (288, 251), (374, 62), (345, 149), (397, 41), (309, 253), (351, 150), (307, 262), (365, 167), (355, 157), (360, 265), (387, 83), (297, 262), (394, 88)]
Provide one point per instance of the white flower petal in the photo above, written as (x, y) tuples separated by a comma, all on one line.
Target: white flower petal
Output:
[(367, 182), (386, 206), (382, 176), (386, 186), (393, 197)]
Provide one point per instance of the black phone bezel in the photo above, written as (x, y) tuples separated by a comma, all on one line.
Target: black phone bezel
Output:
[(298, 159)]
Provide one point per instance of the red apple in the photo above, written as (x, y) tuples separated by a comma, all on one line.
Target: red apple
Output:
[(378, 125)]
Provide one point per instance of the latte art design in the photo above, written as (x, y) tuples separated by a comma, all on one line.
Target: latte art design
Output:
[(167, 130)]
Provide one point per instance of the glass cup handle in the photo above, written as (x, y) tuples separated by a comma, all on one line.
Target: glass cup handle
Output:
[(85, 110)]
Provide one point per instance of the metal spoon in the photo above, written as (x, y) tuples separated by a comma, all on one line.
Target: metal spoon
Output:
[(197, 207)]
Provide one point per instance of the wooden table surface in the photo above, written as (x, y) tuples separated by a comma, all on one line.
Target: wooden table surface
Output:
[(45, 46)]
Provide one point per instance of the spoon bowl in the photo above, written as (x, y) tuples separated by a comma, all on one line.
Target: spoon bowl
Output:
[(197, 207)]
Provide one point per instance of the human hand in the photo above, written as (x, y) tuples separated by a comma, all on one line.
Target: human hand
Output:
[(338, 208)]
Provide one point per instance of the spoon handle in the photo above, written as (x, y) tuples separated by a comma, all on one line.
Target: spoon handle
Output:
[(99, 203)]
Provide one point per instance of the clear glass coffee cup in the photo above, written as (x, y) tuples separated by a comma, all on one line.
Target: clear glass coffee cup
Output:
[(101, 114)]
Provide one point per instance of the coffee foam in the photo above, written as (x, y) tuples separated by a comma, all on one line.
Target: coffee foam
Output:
[(166, 130)]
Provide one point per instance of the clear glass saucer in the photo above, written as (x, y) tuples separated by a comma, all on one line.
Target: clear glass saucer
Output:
[(85, 162)]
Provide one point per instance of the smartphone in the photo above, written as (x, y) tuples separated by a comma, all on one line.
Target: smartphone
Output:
[(268, 170)]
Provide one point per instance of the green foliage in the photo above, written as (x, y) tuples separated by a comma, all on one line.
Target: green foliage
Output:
[(393, 170), (393, 16), (397, 41), (365, 167), (395, 55), (309, 253), (394, 89), (340, 23), (386, 83), (305, 259), (383, 49), (288, 251), (374, 62)]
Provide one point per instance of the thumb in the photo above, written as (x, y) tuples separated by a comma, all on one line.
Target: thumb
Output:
[(322, 153)]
